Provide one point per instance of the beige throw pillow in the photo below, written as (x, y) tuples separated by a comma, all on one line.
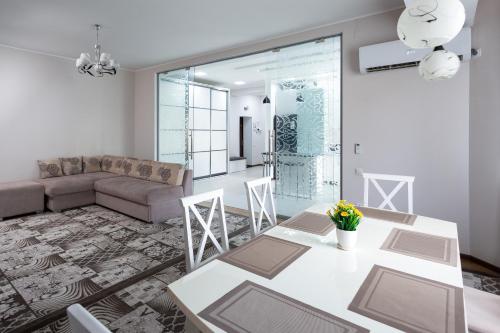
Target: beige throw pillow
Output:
[(140, 169), (168, 173), (71, 165), (91, 164), (113, 164), (50, 168)]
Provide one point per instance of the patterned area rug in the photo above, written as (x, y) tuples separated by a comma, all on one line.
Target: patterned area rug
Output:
[(92, 255), (117, 266), (482, 282)]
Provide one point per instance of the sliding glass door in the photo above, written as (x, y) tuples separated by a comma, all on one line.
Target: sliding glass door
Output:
[(293, 95), (192, 124), (173, 116), (305, 90), (208, 130)]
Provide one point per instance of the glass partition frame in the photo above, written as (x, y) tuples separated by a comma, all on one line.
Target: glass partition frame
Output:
[(338, 147), (177, 124)]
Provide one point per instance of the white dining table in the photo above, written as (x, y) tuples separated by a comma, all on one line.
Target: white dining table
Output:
[(324, 277)]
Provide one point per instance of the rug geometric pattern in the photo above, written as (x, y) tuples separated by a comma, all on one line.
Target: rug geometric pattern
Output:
[(51, 260), (482, 282), (40, 258)]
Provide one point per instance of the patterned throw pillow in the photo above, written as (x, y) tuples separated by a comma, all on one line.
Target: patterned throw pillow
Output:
[(71, 165), (50, 168), (113, 164), (139, 168), (91, 164), (168, 173)]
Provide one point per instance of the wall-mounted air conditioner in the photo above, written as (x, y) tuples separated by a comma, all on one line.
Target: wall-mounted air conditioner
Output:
[(395, 55)]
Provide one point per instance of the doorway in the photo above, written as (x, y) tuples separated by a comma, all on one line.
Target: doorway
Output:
[(282, 117), (246, 139)]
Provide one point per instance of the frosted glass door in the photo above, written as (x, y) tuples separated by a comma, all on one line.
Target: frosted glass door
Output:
[(207, 130), (307, 128), (200, 131), (173, 117), (219, 157)]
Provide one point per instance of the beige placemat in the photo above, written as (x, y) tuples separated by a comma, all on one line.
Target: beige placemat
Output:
[(410, 303), (388, 215), (265, 255), (253, 308), (423, 246), (319, 224)]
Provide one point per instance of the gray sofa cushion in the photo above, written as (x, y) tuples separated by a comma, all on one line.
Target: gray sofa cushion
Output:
[(137, 190), (20, 197), (72, 184)]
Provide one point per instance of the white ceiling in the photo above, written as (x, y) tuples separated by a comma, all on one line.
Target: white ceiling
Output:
[(301, 60), (142, 33)]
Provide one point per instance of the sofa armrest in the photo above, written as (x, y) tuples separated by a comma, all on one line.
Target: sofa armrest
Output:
[(187, 183)]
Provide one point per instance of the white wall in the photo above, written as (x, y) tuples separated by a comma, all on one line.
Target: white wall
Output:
[(257, 112), (49, 110), (485, 135), (405, 125)]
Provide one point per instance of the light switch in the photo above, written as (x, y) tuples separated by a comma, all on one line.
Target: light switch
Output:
[(357, 148)]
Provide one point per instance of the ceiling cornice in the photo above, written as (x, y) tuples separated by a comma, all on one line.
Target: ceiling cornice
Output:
[(195, 57)]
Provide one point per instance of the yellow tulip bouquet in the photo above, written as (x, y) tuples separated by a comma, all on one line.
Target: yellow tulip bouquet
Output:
[(345, 216)]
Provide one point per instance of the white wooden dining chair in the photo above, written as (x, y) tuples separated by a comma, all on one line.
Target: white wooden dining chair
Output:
[(195, 260), (483, 310), (82, 321), (265, 202), (387, 198)]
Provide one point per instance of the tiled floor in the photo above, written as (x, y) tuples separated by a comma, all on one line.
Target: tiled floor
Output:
[(235, 196)]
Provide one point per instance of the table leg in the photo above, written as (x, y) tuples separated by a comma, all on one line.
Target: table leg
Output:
[(189, 327)]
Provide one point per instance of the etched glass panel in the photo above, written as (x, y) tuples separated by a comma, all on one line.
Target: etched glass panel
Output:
[(305, 93), (173, 117)]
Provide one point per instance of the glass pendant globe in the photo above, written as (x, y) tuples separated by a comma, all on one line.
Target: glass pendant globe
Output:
[(439, 65), (430, 23)]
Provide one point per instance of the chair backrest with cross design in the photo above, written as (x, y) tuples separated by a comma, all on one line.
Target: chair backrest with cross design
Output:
[(387, 198), (82, 321), (265, 202), (194, 257)]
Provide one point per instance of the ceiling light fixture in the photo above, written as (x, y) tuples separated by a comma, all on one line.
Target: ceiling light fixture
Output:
[(200, 74), (239, 83), (431, 23), (439, 65), (103, 64)]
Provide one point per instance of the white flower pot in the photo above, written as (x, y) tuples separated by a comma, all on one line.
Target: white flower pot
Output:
[(346, 239)]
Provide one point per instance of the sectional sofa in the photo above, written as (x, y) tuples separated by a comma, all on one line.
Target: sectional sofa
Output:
[(147, 190)]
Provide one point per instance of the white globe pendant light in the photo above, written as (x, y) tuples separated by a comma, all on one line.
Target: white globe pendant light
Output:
[(430, 23), (439, 65)]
